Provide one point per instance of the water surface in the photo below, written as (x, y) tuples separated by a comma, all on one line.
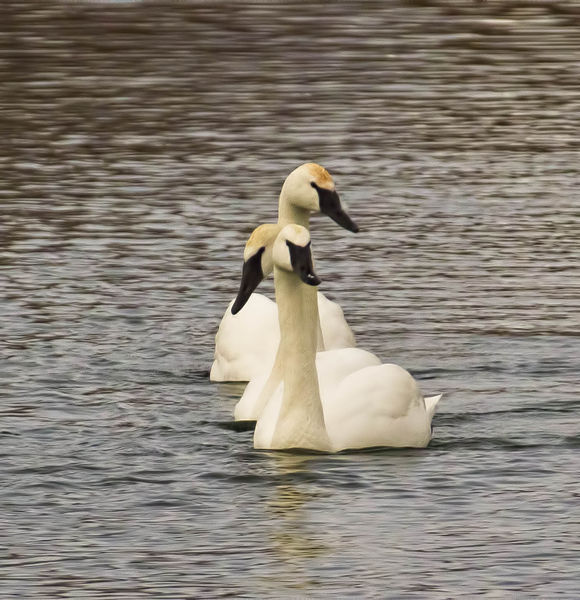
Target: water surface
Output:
[(142, 142)]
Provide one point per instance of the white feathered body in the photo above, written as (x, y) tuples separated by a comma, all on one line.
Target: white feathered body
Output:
[(246, 343)]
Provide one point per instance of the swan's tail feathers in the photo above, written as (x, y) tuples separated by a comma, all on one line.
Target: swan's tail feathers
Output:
[(431, 404)]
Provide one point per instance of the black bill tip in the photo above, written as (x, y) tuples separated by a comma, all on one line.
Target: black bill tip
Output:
[(330, 205), (346, 222), (239, 303), (310, 279)]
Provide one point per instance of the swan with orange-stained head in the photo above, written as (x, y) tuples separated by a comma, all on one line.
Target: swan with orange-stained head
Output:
[(247, 341)]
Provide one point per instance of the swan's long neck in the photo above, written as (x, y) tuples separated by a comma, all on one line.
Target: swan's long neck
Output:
[(289, 213), (301, 419)]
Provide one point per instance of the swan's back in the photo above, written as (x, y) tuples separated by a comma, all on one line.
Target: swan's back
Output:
[(332, 366), (378, 406), (246, 343), (336, 332)]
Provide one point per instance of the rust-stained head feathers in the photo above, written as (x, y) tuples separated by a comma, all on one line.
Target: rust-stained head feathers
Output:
[(320, 176), (310, 189), (262, 237), (300, 191)]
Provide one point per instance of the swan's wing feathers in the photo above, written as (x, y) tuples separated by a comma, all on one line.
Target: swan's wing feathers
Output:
[(378, 406)]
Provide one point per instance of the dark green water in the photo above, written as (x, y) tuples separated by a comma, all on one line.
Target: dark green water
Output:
[(141, 143)]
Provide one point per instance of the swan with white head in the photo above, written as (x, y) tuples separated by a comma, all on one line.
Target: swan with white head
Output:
[(378, 405), (246, 343), (332, 365)]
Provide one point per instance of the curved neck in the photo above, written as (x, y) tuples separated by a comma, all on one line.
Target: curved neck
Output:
[(301, 420), (289, 213)]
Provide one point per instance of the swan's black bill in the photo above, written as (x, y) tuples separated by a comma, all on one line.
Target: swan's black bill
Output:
[(330, 205), (301, 259), (252, 274)]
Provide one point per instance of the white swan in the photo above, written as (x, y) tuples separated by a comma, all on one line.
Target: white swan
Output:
[(267, 374), (378, 405), (247, 342), (332, 366)]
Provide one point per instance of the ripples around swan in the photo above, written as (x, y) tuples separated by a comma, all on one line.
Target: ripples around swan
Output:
[(142, 141)]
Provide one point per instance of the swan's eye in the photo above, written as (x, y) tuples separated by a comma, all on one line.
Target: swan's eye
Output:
[(315, 186)]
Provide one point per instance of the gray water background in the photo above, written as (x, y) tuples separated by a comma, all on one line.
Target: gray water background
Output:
[(141, 143)]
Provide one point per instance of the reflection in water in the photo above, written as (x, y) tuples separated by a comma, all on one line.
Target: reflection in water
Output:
[(294, 538)]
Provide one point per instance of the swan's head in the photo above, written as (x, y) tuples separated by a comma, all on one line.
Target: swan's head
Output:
[(292, 253), (288, 248), (257, 262), (311, 188)]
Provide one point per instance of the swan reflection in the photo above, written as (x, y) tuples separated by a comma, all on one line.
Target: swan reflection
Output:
[(293, 532)]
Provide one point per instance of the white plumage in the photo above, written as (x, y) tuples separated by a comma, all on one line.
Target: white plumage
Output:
[(333, 400)]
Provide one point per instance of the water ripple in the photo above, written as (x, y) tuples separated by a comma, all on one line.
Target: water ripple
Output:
[(142, 144)]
